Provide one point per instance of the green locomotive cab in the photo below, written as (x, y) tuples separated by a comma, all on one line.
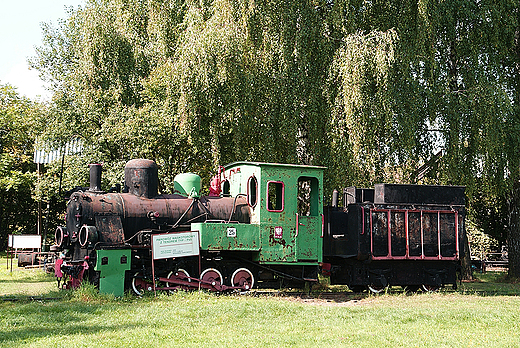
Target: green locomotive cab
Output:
[(286, 228)]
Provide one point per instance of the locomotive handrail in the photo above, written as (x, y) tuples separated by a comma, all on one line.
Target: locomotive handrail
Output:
[(196, 217), (199, 202), (176, 224), (234, 205), (413, 205), (135, 235)]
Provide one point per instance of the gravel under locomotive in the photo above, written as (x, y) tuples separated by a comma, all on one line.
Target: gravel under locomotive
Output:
[(262, 225)]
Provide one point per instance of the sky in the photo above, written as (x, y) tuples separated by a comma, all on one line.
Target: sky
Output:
[(20, 33)]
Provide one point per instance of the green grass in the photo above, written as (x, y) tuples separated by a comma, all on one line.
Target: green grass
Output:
[(24, 282), (478, 315), (492, 283), (197, 319)]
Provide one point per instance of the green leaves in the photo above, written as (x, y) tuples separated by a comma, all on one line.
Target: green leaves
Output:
[(18, 126), (361, 68)]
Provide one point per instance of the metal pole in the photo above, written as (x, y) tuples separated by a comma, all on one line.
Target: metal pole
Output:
[(153, 276), (39, 227), (200, 261), (9, 249), (46, 228), (153, 270), (200, 270), (61, 172)]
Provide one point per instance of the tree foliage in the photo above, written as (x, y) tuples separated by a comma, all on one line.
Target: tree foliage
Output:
[(18, 122)]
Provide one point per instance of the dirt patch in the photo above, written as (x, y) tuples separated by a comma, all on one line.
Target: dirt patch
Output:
[(341, 299)]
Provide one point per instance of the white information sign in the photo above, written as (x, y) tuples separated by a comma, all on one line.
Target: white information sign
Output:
[(26, 241), (165, 246)]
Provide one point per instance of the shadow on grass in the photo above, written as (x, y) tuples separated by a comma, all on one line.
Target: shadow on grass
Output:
[(32, 321), (491, 284), (27, 280)]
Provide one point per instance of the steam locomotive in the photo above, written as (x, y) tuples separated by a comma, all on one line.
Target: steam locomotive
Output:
[(262, 225)]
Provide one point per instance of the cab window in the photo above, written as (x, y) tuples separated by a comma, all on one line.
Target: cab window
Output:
[(252, 187), (226, 188), (308, 196), (275, 193)]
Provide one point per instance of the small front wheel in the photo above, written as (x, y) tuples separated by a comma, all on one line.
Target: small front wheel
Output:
[(140, 284)]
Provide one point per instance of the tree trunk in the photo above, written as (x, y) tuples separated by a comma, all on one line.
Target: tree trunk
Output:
[(3, 235), (513, 233), (465, 261)]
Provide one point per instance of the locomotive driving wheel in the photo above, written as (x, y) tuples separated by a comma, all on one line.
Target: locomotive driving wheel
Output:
[(212, 276), (243, 278), (179, 274), (140, 285)]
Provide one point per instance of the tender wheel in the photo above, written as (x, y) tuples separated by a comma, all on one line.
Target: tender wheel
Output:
[(357, 288), (140, 285), (243, 278), (376, 289), (212, 276), (430, 288), (175, 275), (411, 288)]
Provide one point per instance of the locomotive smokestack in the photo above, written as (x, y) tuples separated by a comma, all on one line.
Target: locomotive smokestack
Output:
[(95, 177)]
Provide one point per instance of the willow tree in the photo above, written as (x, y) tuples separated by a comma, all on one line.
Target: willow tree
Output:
[(248, 78), (361, 123), (381, 119), (189, 84), (473, 76), (98, 61)]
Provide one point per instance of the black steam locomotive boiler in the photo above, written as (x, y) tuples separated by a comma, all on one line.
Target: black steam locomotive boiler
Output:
[(97, 220)]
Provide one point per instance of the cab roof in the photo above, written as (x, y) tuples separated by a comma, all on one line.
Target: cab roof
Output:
[(262, 164)]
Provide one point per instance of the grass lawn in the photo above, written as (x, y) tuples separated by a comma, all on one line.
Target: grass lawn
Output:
[(20, 282), (482, 314)]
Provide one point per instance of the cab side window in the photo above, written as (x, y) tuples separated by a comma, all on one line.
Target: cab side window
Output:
[(275, 193), (252, 187), (308, 196)]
